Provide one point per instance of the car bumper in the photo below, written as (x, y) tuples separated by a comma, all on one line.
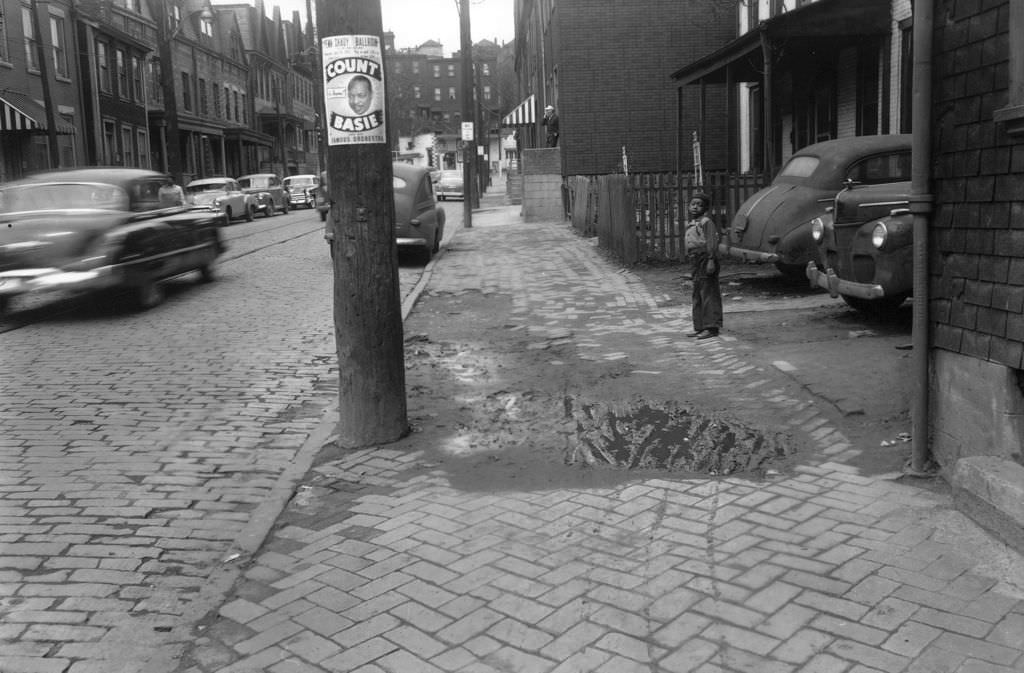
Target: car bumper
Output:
[(411, 242), (25, 281), (748, 255), (836, 286)]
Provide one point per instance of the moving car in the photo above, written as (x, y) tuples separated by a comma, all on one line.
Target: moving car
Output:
[(301, 190), (419, 221), (449, 185), (99, 228), (223, 195), (865, 247), (268, 192), (774, 225)]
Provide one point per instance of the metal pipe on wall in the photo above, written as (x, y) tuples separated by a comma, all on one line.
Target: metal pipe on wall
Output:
[(921, 207)]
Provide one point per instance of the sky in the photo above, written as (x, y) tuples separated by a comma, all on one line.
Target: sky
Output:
[(415, 21)]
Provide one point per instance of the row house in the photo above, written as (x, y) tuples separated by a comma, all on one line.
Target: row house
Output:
[(41, 114), (179, 86), (426, 96), (803, 71), (605, 66)]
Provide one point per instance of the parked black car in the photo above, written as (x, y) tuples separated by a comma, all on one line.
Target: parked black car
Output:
[(100, 228), (774, 225), (865, 246), (268, 192)]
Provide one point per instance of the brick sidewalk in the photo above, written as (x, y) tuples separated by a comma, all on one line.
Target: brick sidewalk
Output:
[(389, 561)]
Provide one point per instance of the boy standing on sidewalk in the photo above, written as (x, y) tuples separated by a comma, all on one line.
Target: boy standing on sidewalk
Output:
[(701, 241)]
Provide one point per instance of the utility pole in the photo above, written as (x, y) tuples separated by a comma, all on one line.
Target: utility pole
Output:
[(165, 50), (367, 304), (469, 146)]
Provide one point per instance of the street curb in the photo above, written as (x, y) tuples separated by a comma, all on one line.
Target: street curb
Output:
[(256, 531)]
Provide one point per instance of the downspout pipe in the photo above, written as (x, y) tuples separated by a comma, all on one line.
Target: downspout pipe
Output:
[(921, 201)]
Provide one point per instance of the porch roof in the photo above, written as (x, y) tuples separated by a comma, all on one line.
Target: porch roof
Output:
[(835, 21)]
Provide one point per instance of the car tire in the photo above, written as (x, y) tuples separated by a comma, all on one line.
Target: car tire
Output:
[(227, 215), (250, 213), (438, 235), (208, 271), (881, 307), (285, 208), (148, 294)]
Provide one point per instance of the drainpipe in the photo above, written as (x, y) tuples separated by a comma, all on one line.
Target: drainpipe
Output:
[(768, 132), (921, 207)]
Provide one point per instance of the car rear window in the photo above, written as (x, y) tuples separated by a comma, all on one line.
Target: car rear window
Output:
[(254, 182), (800, 167), (892, 167), (62, 196)]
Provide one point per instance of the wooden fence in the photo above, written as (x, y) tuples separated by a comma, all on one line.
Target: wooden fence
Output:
[(658, 207)]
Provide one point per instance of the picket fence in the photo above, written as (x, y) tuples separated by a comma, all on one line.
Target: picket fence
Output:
[(641, 217)]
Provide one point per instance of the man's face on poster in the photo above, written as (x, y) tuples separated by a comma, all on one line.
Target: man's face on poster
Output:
[(360, 95)]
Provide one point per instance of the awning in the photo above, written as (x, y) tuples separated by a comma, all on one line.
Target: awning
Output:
[(19, 112), (523, 115), (836, 22)]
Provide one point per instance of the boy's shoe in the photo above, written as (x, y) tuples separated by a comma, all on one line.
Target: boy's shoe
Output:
[(708, 334)]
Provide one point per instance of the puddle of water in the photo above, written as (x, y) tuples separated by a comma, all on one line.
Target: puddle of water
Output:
[(669, 437)]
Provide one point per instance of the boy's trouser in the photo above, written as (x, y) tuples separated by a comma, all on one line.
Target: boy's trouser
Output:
[(707, 295)]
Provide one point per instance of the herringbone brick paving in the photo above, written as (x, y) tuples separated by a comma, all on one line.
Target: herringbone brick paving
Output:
[(814, 568)]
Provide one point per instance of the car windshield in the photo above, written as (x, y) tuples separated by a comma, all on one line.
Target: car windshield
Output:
[(799, 167), (62, 196), (398, 183), (307, 181), (207, 187), (259, 182)]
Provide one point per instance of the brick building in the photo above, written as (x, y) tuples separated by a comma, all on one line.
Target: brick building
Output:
[(605, 65), (976, 256)]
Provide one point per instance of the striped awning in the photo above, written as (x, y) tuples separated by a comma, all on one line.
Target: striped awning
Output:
[(18, 112), (523, 115)]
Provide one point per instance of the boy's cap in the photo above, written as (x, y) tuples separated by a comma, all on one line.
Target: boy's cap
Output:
[(703, 197), (549, 107)]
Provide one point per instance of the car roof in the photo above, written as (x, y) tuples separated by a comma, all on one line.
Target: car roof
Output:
[(257, 175), (857, 146), (300, 175), (209, 181), (115, 175)]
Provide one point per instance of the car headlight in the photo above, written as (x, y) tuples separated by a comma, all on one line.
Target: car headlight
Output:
[(215, 202), (817, 229), (879, 235)]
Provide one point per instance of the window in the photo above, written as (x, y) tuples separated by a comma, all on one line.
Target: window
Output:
[(487, 92), (415, 67), (217, 111), (137, 91), (4, 55), (186, 91), (437, 95), (206, 26), (237, 115), (227, 103), (437, 70), (204, 104), (485, 69), (868, 89), (143, 145), (451, 93), (30, 39), (103, 65), (120, 63), (245, 110), (451, 70), (60, 50), (881, 169), (127, 147), (110, 156), (417, 93)]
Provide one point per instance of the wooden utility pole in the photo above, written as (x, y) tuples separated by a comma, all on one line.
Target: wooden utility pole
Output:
[(469, 145), (42, 54), (367, 305)]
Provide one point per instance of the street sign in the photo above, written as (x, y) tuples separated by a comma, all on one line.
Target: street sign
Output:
[(467, 130)]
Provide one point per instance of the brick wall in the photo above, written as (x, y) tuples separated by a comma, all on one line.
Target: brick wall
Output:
[(978, 239), (615, 61)]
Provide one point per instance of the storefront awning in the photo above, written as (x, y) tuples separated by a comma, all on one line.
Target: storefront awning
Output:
[(523, 115), (19, 112), (836, 22)]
